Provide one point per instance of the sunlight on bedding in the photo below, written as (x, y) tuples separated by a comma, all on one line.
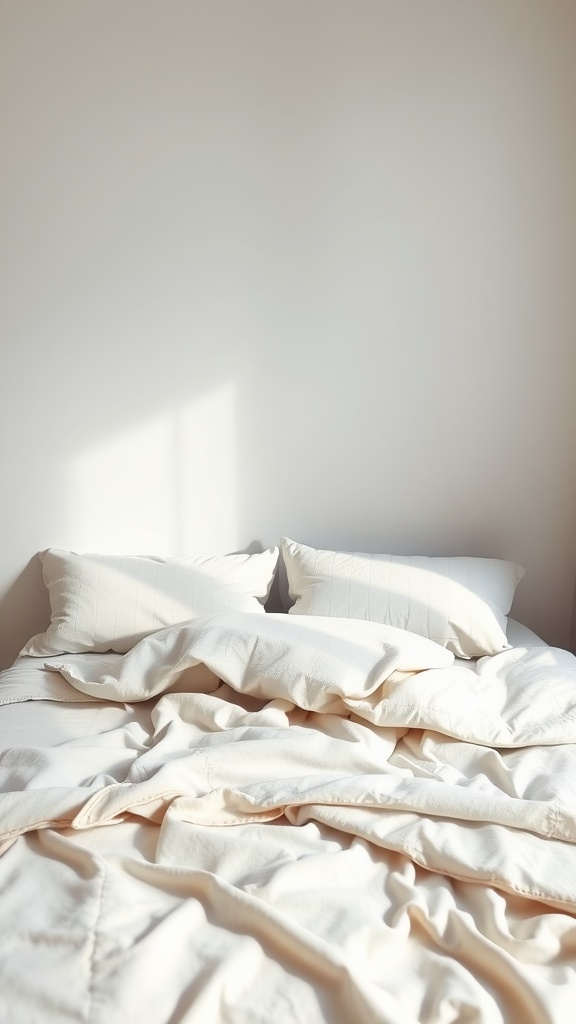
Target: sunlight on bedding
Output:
[(166, 486)]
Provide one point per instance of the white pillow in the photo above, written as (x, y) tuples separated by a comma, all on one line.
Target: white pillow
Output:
[(110, 602), (459, 602)]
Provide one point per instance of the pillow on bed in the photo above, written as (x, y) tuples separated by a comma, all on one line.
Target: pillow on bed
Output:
[(461, 603), (110, 602)]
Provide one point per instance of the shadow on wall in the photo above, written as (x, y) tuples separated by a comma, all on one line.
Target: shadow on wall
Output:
[(572, 644), (24, 610)]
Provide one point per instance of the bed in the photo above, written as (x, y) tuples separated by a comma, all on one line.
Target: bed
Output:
[(361, 809)]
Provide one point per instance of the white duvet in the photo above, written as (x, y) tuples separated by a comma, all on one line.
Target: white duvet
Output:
[(299, 836)]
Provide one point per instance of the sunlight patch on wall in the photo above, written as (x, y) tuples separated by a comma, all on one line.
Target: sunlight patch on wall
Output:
[(166, 486), (206, 495)]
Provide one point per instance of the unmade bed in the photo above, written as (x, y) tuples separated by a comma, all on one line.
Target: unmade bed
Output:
[(348, 813)]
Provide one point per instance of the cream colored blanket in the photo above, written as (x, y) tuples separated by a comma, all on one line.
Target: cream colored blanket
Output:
[(298, 774)]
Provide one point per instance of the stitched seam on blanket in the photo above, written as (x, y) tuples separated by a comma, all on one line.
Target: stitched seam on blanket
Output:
[(554, 697), (554, 819), (167, 794), (92, 944), (143, 775), (139, 771), (57, 823), (549, 828), (55, 700), (239, 819), (206, 763), (442, 717), (490, 879), (89, 819)]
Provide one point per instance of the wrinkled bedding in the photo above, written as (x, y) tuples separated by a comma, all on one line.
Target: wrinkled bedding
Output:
[(301, 820)]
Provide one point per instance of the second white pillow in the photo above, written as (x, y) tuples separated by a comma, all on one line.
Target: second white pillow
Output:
[(461, 603)]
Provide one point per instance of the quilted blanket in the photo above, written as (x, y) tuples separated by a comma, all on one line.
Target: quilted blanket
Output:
[(299, 836)]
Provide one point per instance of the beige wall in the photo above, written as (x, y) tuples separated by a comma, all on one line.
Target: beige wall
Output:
[(300, 267)]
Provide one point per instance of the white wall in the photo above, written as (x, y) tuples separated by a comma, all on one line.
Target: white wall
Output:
[(300, 267)]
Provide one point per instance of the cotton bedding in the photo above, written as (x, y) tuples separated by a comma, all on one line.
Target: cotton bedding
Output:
[(277, 820)]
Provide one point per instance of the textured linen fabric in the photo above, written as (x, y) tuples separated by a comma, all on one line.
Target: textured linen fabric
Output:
[(226, 856), (381, 674), (459, 602), (110, 602), (320, 664)]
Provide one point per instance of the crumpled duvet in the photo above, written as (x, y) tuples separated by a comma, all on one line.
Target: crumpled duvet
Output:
[(317, 786)]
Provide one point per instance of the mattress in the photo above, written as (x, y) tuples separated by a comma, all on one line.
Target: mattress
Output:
[(203, 856)]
